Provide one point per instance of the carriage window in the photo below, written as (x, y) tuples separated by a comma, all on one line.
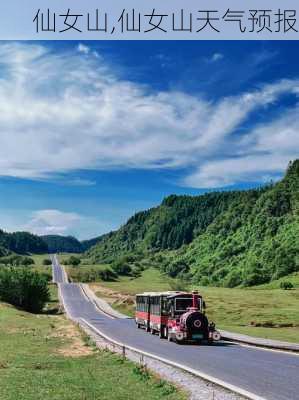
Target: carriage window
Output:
[(165, 306), (183, 304)]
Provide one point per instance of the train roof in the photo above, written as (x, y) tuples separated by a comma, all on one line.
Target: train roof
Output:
[(167, 293)]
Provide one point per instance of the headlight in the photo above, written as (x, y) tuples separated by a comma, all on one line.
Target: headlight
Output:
[(179, 336)]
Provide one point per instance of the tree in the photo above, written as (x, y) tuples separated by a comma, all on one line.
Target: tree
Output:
[(121, 267), (74, 261), (24, 288)]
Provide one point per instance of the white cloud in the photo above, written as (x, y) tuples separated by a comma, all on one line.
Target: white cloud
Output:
[(82, 48), (272, 146), (81, 182), (216, 57), (52, 222), (66, 111)]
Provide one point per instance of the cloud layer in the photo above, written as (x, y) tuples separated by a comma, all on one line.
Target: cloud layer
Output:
[(52, 222), (68, 111)]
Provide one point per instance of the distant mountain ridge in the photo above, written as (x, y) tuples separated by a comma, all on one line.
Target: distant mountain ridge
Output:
[(221, 238), (21, 243), (26, 243), (67, 244)]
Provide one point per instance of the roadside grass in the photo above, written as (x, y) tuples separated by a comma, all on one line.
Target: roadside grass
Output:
[(150, 280), (45, 357), (263, 311), (268, 313), (74, 273), (64, 256), (38, 263)]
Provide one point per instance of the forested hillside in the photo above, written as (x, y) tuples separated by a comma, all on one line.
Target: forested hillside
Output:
[(254, 241), (21, 243), (65, 244), (176, 222), (220, 238)]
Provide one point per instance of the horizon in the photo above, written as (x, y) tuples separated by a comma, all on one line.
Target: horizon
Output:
[(88, 165)]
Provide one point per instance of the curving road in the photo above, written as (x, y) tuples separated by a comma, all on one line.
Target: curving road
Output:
[(268, 374)]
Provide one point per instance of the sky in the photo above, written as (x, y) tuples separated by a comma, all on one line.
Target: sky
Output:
[(92, 132)]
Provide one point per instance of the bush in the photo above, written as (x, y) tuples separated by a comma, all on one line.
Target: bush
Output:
[(177, 267), (286, 285), (73, 260), (107, 275), (46, 261), (121, 267), (16, 260), (24, 288)]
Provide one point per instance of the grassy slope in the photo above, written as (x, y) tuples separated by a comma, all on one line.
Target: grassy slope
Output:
[(37, 362), (232, 309), (151, 279)]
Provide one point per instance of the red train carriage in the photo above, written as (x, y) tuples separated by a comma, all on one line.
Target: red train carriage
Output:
[(176, 316)]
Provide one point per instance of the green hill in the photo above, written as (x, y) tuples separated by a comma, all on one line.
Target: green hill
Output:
[(220, 238), (67, 244), (254, 241), (21, 243), (176, 222)]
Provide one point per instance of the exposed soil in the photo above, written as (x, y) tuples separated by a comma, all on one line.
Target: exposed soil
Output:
[(112, 297), (74, 344)]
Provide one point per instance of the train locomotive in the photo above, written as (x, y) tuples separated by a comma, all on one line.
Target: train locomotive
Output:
[(176, 316)]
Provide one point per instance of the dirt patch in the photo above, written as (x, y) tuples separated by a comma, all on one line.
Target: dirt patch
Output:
[(74, 344), (112, 297)]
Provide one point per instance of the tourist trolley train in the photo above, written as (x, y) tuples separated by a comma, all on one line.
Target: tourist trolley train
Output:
[(176, 316)]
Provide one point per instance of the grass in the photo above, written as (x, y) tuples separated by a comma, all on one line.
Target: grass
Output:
[(264, 311), (150, 280), (64, 256), (268, 313), (45, 357), (73, 271)]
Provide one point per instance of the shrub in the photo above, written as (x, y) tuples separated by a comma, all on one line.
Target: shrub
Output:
[(24, 288), (177, 267), (121, 267), (107, 275), (46, 261), (286, 285), (73, 260), (16, 260)]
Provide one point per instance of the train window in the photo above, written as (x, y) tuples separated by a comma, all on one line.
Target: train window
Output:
[(182, 304), (164, 306), (155, 305)]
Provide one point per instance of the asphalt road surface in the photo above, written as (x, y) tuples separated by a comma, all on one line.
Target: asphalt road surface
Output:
[(58, 273), (269, 374)]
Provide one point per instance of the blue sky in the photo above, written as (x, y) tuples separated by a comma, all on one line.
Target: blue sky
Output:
[(91, 132)]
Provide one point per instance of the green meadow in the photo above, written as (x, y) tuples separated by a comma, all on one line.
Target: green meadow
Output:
[(46, 357)]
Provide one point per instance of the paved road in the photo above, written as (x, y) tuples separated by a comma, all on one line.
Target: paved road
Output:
[(58, 273), (271, 375)]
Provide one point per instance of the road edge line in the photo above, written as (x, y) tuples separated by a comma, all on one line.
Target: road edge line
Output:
[(192, 371)]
